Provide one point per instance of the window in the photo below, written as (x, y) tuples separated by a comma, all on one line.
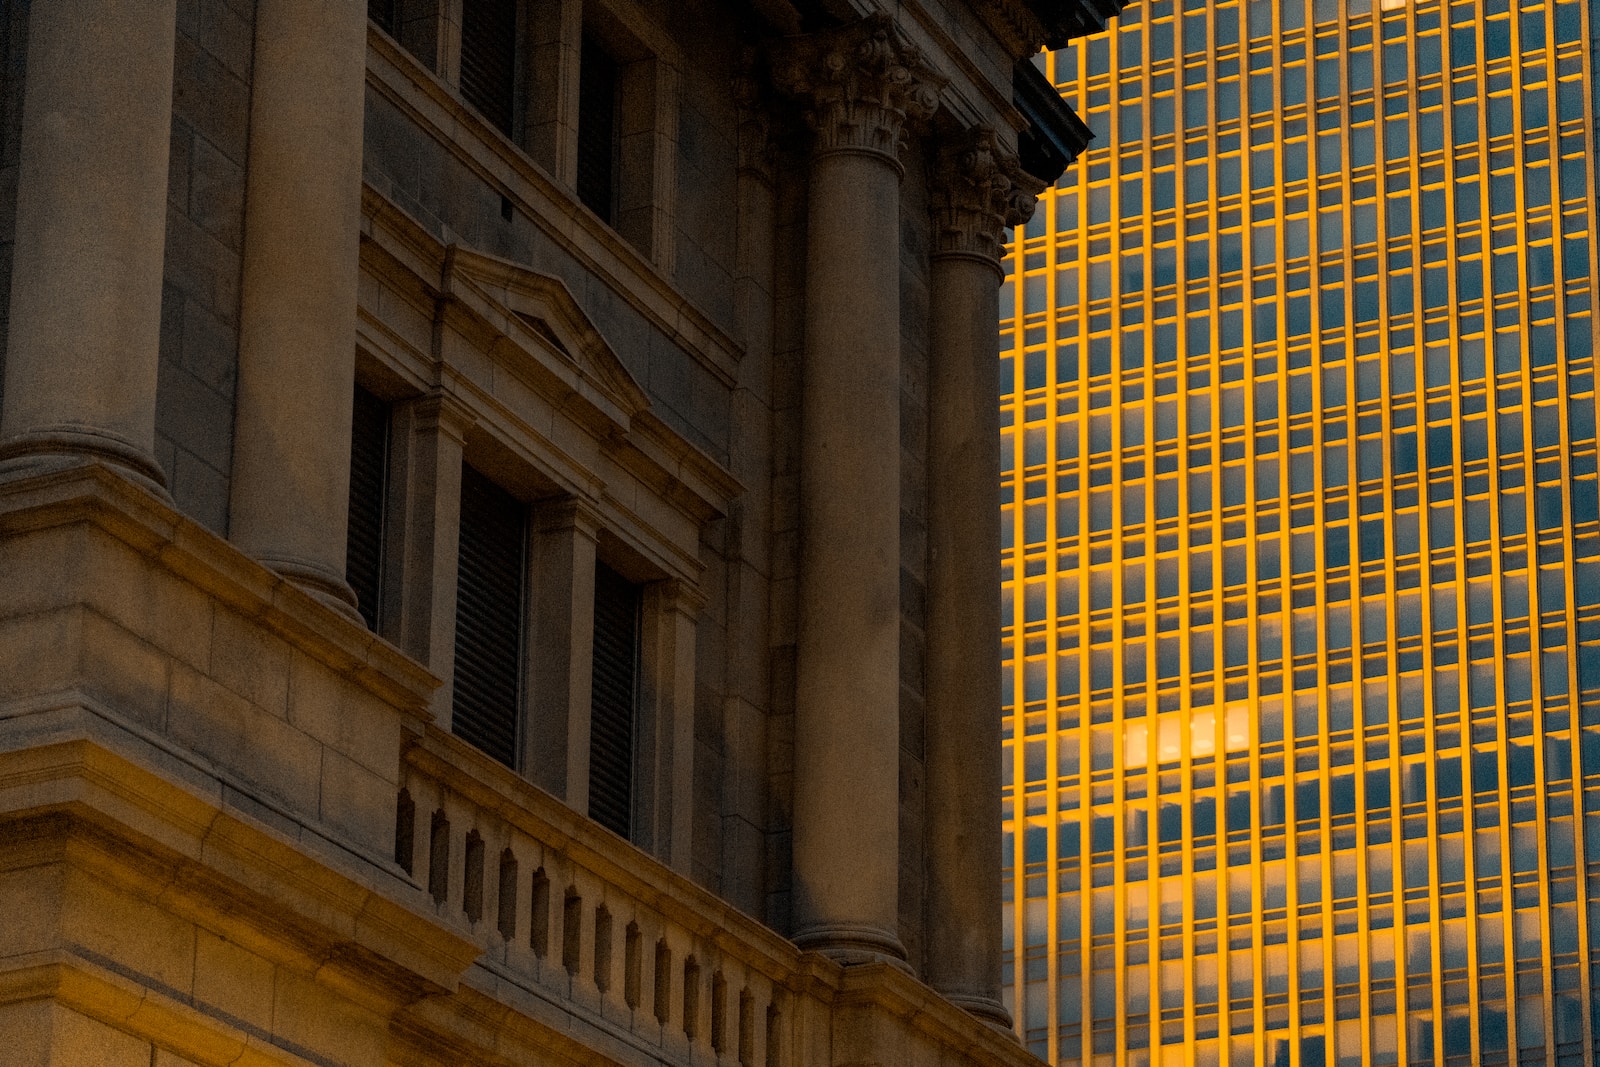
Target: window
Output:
[(613, 709), (489, 59), (369, 470), (597, 129), (489, 616)]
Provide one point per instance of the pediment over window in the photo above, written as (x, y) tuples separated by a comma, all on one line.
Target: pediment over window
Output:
[(538, 314)]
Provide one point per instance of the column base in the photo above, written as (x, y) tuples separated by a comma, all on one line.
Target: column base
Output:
[(319, 583), (854, 943), (58, 448), (986, 1009)]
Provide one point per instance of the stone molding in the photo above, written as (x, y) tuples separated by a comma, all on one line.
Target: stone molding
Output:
[(854, 944), (575, 513), (59, 447), (883, 987), (443, 412), (681, 597), (980, 189), (863, 85)]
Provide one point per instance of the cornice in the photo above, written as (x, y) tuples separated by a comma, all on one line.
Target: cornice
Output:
[(1025, 26), (1060, 21)]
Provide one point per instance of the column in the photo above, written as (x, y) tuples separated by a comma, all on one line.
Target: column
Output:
[(861, 84), (973, 196), (561, 650), (289, 496), (426, 543), (85, 327)]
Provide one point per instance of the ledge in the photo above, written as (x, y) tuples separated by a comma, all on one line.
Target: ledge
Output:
[(898, 995), (91, 493)]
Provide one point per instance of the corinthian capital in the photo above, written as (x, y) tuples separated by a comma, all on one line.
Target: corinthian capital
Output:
[(861, 83), (979, 190)]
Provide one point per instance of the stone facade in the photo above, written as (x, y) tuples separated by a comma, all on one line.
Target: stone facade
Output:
[(753, 379)]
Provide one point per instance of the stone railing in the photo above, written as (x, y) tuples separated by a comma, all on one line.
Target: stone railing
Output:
[(186, 711), (568, 912)]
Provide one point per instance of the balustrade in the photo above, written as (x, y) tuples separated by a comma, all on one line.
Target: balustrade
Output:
[(570, 912)]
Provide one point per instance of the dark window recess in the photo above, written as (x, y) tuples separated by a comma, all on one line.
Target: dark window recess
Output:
[(381, 12), (611, 719), (488, 666), (544, 330), (489, 58), (369, 476), (597, 129)]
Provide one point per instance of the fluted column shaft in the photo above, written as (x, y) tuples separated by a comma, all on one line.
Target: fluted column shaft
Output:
[(85, 325), (861, 83), (289, 496), (973, 197)]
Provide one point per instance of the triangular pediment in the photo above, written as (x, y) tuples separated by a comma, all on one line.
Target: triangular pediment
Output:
[(538, 313)]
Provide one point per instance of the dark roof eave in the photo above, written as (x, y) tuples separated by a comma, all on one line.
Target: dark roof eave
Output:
[(1055, 135), (1064, 20)]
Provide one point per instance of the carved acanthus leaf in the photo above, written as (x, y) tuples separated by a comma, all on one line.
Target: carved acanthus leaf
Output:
[(862, 84), (980, 189)]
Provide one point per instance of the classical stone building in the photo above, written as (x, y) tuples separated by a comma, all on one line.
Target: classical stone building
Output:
[(497, 556)]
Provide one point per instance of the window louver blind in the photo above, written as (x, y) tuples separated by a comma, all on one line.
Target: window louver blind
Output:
[(611, 719), (381, 12), (489, 583), (369, 467), (489, 58), (597, 128)]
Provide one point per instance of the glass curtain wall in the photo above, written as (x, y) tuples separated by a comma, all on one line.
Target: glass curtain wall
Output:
[(1301, 546)]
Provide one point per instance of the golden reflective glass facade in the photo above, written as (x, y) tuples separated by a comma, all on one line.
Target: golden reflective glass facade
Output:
[(1302, 552)]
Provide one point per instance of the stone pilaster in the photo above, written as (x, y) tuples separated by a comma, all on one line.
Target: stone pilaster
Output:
[(425, 546), (664, 765), (290, 495), (976, 194), (560, 650), (85, 326), (860, 86)]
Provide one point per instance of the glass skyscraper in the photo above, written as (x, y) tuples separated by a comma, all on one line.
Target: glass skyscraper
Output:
[(1301, 545)]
